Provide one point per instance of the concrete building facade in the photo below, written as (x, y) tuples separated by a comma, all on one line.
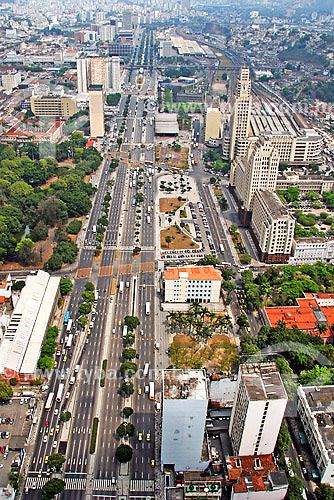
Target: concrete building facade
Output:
[(311, 251), (192, 284), (272, 226), (185, 401), (57, 106), (258, 409), (212, 123), (240, 116), (96, 111)]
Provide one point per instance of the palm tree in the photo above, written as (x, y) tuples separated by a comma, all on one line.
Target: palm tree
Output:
[(322, 329), (204, 312)]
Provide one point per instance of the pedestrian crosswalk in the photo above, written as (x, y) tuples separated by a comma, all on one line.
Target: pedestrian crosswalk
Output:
[(103, 485), (141, 485), (35, 483), (75, 483)]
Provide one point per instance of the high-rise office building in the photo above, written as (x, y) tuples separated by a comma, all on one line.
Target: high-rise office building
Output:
[(185, 401), (258, 409), (82, 75), (115, 73), (212, 123), (127, 22), (96, 111), (97, 71), (241, 114)]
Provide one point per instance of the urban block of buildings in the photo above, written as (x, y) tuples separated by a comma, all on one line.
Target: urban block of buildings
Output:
[(23, 337), (315, 407), (192, 284), (185, 402), (56, 106), (103, 71), (311, 311)]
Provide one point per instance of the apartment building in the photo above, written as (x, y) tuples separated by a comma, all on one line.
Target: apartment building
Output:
[(57, 106), (127, 20), (316, 408), (311, 251), (184, 403), (96, 111), (240, 115), (300, 148), (103, 71), (212, 123), (258, 409), (192, 284), (11, 80), (272, 226)]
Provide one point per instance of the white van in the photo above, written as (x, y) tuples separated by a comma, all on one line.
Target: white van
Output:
[(77, 368), (72, 380)]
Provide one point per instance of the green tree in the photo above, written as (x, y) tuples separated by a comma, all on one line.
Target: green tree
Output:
[(168, 240), (283, 440), (85, 308), (55, 262), (127, 411), (295, 489), (89, 286), (45, 363), (324, 492), (24, 252), (245, 258), (130, 429), (74, 226), (6, 392), (127, 388), (121, 430), (18, 285), (283, 366), (66, 286), (13, 382), (208, 260), (56, 460), (129, 353), (242, 321), (128, 369), (66, 416), (83, 321), (52, 488), (88, 296), (131, 322), (124, 453)]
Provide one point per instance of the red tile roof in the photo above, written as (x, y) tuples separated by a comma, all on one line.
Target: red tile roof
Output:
[(248, 469)]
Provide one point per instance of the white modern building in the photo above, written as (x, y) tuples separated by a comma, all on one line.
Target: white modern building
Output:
[(82, 75), (212, 123), (115, 73), (258, 409), (311, 251), (316, 408), (11, 80), (185, 401), (273, 227), (192, 284), (33, 313), (96, 111)]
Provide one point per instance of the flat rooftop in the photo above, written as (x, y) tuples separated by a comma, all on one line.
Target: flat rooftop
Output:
[(262, 381), (277, 208), (204, 273), (184, 384)]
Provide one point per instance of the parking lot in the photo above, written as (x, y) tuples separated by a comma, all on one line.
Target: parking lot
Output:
[(14, 429)]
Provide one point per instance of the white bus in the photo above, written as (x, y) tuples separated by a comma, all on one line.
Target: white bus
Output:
[(146, 369), (121, 286), (49, 401), (125, 331), (69, 325), (60, 393), (221, 246), (151, 393), (69, 341), (148, 308), (94, 229)]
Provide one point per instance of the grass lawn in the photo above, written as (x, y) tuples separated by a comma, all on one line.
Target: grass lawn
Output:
[(179, 240), (219, 352)]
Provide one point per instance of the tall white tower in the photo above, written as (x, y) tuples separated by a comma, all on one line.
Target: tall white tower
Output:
[(82, 75), (241, 114), (185, 401), (258, 409), (116, 73)]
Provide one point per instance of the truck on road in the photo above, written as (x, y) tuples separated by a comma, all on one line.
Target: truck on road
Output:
[(148, 308), (121, 286)]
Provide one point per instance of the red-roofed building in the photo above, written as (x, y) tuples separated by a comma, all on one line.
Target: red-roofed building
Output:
[(15, 133), (256, 477), (311, 311)]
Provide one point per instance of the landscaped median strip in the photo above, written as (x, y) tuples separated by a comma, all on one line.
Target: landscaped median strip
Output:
[(103, 373), (94, 436)]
